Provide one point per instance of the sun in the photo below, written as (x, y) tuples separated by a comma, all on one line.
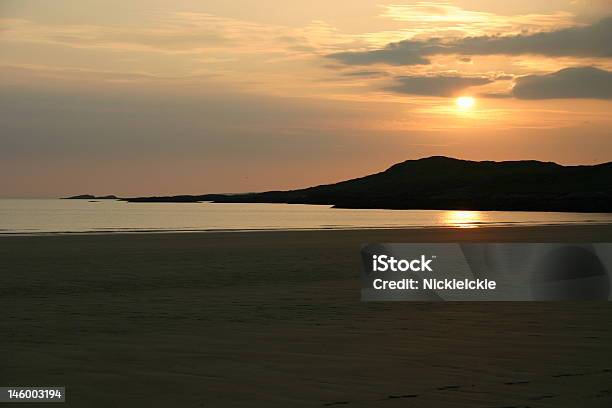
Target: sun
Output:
[(465, 102)]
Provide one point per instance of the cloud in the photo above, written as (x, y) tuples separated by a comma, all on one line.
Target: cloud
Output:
[(433, 17), (436, 85), (169, 35), (593, 40), (578, 82), (400, 53), (28, 74), (174, 33), (588, 41), (364, 74)]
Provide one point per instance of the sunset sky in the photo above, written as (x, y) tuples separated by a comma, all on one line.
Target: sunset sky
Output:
[(179, 97)]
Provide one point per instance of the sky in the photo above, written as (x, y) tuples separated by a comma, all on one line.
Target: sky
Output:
[(163, 97)]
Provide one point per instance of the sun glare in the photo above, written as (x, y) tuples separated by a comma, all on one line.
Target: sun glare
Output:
[(465, 102), (462, 219)]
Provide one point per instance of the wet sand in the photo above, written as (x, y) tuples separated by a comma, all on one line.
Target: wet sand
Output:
[(274, 319)]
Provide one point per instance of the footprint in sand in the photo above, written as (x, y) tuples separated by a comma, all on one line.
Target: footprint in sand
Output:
[(541, 397), (449, 387), (517, 382), (403, 396)]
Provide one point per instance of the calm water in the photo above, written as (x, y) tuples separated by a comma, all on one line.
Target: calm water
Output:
[(48, 216)]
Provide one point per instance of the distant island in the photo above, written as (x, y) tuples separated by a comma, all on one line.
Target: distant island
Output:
[(91, 197), (444, 183)]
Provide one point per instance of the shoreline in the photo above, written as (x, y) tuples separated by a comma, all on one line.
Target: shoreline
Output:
[(474, 226)]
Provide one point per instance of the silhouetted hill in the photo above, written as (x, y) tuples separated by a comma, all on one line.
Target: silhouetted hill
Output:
[(446, 183)]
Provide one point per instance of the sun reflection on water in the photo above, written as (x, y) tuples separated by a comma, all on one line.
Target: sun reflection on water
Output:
[(462, 219)]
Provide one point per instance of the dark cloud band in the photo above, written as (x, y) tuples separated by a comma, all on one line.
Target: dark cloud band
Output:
[(589, 41), (578, 82), (401, 53), (594, 40)]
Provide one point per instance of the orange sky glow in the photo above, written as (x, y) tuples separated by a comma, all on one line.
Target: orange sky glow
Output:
[(179, 97)]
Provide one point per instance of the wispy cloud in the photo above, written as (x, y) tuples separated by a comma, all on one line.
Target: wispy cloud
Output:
[(364, 74), (175, 33), (439, 85), (443, 17)]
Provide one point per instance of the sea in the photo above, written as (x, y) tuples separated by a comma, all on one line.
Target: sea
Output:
[(53, 216)]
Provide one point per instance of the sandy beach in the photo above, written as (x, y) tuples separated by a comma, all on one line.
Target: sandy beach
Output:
[(274, 319)]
